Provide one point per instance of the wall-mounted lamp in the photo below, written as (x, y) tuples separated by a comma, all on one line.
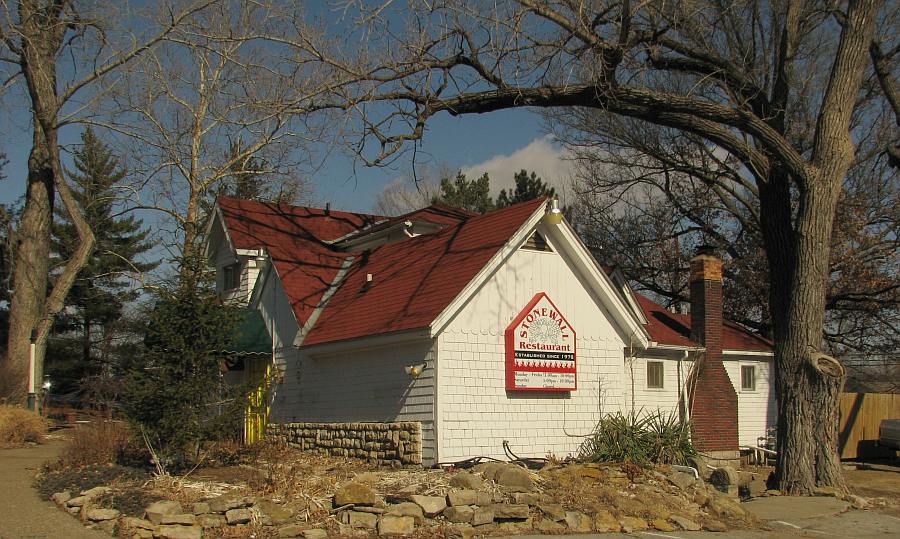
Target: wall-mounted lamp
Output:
[(553, 215), (415, 370)]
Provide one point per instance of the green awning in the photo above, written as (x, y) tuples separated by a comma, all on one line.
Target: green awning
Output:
[(251, 334)]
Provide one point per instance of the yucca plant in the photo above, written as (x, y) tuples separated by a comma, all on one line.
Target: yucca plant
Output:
[(641, 438)]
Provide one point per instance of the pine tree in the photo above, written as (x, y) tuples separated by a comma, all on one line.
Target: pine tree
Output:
[(101, 291), (473, 195), (528, 187)]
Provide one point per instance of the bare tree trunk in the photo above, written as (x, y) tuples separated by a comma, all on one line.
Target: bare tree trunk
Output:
[(31, 267)]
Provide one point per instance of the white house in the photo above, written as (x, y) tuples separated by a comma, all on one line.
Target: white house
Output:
[(438, 335)]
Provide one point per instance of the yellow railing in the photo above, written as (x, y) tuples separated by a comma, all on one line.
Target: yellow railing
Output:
[(259, 373)]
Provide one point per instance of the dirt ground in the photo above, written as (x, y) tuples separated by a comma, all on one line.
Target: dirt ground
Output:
[(879, 481)]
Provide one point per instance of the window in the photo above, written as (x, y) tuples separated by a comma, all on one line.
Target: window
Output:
[(748, 378), (655, 374), (232, 276)]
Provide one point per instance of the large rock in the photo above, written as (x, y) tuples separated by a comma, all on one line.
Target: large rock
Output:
[(605, 522), (682, 480), (314, 533), (714, 526), (549, 526), (211, 521), (357, 519), (482, 515), (459, 514), (179, 532), (238, 516), (184, 519), (725, 506), (462, 497), (553, 511), (273, 513), (355, 494), (396, 525), (466, 480), (78, 501), (578, 522), (291, 530), (407, 509), (138, 523), (685, 523), (95, 492), (61, 497), (632, 524), (200, 508), (509, 510), (99, 515), (528, 498), (492, 470), (661, 525), (156, 510), (484, 498), (227, 502), (515, 479), (431, 505), (459, 531)]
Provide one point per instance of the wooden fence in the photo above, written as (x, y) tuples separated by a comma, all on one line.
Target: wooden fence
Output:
[(861, 415)]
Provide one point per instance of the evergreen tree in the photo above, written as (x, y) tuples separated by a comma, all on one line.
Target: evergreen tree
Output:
[(174, 392), (472, 195), (249, 178), (528, 187), (101, 290)]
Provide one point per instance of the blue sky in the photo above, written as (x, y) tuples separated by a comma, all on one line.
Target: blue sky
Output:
[(499, 143)]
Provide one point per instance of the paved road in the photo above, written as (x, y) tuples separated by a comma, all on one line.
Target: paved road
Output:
[(23, 515), (823, 518)]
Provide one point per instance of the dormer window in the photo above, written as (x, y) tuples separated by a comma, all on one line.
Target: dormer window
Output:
[(232, 276)]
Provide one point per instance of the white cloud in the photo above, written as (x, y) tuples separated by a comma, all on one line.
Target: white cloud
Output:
[(540, 155)]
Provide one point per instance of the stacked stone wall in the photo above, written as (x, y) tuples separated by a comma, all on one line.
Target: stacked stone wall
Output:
[(383, 443)]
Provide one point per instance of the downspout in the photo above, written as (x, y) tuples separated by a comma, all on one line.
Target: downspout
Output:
[(435, 408)]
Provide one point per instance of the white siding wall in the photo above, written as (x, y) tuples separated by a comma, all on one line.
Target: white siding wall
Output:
[(642, 398), (475, 411), (757, 410), (358, 385)]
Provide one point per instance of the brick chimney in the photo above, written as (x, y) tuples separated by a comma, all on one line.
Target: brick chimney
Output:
[(714, 413)]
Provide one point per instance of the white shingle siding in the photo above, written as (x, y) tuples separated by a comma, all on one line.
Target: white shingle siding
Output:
[(646, 399), (477, 413), (353, 386), (757, 410)]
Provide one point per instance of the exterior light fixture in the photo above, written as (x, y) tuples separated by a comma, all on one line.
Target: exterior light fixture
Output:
[(553, 215), (415, 370)]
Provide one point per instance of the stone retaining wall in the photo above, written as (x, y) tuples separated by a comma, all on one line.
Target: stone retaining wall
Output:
[(382, 443)]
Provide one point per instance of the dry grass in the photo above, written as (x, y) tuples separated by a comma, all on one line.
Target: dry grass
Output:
[(18, 426), (102, 442)]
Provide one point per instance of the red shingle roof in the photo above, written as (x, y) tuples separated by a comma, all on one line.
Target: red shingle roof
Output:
[(673, 329), (295, 238), (415, 280)]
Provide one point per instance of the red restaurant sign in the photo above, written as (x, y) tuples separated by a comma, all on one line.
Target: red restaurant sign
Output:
[(540, 349)]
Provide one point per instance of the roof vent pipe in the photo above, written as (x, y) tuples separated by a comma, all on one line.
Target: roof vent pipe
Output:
[(327, 208)]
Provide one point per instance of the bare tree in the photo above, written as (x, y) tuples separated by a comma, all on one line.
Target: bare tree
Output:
[(646, 200), (404, 194), (229, 97), (739, 75), (59, 51)]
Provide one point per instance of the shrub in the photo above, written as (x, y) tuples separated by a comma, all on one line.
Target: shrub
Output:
[(104, 442), (639, 438), (18, 425)]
